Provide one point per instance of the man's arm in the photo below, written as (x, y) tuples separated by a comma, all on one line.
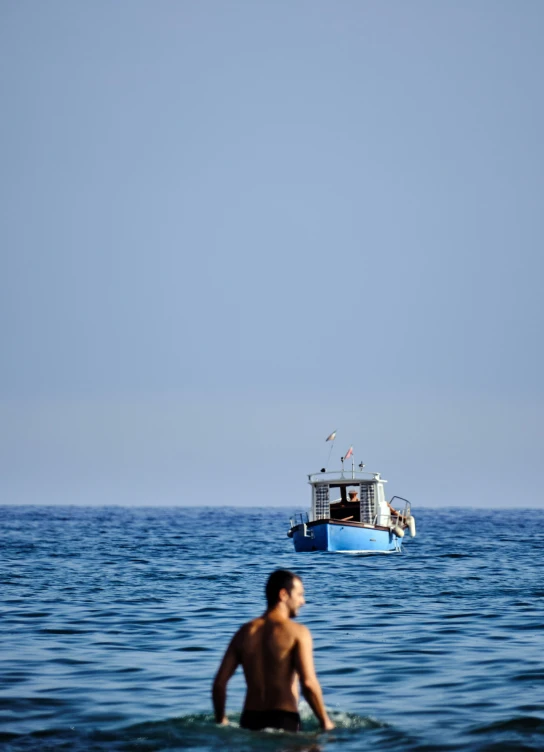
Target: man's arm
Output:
[(304, 663), (227, 668)]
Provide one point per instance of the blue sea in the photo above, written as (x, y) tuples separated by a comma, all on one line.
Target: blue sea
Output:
[(113, 622)]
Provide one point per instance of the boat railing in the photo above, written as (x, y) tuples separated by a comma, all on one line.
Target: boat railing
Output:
[(404, 512), (303, 518), (299, 518)]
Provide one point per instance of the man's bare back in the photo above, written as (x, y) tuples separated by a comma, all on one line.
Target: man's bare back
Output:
[(267, 648), (275, 653)]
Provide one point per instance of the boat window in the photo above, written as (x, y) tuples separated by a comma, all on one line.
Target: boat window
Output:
[(343, 509), (322, 504), (367, 495)]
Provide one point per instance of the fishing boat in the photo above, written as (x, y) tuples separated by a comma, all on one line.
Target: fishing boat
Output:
[(349, 513)]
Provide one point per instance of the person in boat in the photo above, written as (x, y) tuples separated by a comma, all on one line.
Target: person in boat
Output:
[(353, 496), (275, 652), (393, 510)]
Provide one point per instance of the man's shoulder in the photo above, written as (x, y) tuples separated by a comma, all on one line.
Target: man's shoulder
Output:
[(302, 630), (296, 629), (250, 626)]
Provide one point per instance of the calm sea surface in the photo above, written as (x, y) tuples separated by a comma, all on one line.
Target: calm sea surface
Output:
[(113, 621)]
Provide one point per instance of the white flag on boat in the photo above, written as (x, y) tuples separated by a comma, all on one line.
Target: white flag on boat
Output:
[(331, 437), (349, 453)]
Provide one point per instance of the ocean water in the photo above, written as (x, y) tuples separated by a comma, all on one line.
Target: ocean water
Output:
[(113, 622)]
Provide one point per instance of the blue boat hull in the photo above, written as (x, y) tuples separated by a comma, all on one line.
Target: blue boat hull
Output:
[(326, 535)]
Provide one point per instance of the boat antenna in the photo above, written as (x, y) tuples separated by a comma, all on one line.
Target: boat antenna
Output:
[(349, 454), (331, 437)]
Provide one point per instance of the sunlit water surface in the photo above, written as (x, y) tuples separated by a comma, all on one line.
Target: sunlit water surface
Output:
[(113, 622)]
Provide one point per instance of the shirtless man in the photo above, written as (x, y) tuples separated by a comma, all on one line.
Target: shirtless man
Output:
[(275, 653)]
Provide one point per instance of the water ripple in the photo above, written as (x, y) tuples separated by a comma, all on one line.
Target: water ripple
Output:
[(113, 622)]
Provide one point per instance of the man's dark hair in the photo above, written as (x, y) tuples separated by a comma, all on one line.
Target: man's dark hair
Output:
[(281, 578)]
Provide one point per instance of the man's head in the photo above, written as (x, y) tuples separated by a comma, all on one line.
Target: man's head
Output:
[(285, 587), (352, 495)]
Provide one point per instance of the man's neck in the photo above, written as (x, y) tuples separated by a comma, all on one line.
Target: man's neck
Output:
[(279, 612)]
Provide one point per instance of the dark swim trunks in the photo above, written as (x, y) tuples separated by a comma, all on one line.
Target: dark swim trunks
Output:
[(256, 720)]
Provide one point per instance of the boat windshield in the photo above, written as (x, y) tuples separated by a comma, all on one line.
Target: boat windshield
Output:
[(345, 502)]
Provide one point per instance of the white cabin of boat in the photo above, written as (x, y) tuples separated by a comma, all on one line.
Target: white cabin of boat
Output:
[(331, 493)]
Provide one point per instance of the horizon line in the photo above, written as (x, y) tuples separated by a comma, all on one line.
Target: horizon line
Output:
[(232, 506)]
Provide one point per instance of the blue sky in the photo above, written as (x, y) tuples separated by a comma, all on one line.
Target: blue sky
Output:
[(229, 228)]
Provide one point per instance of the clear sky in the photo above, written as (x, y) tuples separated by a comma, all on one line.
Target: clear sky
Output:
[(229, 228)]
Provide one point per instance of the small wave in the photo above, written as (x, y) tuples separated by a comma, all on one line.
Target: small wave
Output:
[(521, 725), (453, 556), (64, 631), (197, 731), (344, 720), (532, 676)]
